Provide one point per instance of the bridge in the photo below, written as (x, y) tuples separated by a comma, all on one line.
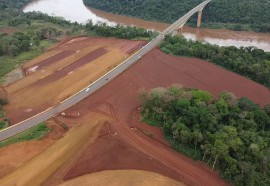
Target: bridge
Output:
[(51, 112)]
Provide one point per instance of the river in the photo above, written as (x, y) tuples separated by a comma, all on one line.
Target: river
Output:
[(74, 10)]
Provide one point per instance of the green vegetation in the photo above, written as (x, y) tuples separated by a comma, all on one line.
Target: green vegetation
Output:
[(8, 63), (2, 125), (4, 4), (236, 15), (3, 121), (247, 61), (34, 133), (228, 134), (119, 31)]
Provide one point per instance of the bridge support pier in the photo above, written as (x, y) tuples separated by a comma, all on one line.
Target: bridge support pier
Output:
[(199, 20)]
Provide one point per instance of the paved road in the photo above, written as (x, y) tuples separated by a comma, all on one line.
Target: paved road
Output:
[(49, 113)]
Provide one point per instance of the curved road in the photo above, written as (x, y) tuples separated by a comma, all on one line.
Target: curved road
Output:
[(49, 113)]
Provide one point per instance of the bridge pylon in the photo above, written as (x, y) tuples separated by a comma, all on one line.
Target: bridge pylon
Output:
[(185, 18), (199, 20)]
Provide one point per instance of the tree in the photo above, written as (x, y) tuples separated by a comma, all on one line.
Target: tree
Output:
[(197, 137), (219, 150)]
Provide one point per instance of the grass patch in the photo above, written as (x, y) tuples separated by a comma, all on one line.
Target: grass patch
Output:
[(2, 114), (8, 64), (2, 125), (34, 133)]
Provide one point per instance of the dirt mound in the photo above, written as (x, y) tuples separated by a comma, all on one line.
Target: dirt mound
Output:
[(139, 151), (18, 154), (123, 177), (111, 153), (62, 152)]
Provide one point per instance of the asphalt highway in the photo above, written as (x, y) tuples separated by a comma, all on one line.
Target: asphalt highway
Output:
[(50, 112)]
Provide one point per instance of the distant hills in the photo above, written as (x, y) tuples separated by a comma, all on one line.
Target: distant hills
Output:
[(232, 14)]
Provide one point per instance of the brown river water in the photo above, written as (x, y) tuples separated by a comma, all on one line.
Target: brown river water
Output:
[(74, 10)]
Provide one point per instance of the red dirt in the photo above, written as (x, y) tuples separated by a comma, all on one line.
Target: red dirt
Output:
[(18, 154), (9, 30), (177, 166), (115, 154), (157, 69), (49, 61), (76, 64), (118, 100), (54, 76), (154, 70)]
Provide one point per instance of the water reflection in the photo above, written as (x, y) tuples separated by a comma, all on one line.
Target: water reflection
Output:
[(72, 10), (228, 42)]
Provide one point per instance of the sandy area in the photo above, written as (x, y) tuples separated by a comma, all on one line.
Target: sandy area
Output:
[(36, 171), (9, 160), (123, 177)]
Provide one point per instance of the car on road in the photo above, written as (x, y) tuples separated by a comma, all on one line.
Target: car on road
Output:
[(86, 90)]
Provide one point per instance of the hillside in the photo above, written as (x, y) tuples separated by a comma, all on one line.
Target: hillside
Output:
[(236, 15)]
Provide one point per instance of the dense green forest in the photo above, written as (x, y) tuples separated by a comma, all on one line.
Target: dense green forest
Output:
[(247, 61), (233, 14), (230, 135)]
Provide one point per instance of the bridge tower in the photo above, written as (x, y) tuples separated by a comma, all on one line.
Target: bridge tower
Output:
[(199, 20), (198, 9)]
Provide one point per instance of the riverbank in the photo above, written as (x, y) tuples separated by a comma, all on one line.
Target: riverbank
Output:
[(76, 11)]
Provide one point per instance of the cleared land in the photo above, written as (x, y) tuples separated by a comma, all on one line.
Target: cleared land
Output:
[(123, 177), (62, 71), (123, 142), (119, 100), (16, 155), (45, 164)]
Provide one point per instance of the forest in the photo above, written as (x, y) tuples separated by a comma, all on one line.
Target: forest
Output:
[(230, 135), (236, 15), (247, 61)]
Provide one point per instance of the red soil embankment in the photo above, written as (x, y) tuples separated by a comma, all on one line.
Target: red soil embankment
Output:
[(111, 153)]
